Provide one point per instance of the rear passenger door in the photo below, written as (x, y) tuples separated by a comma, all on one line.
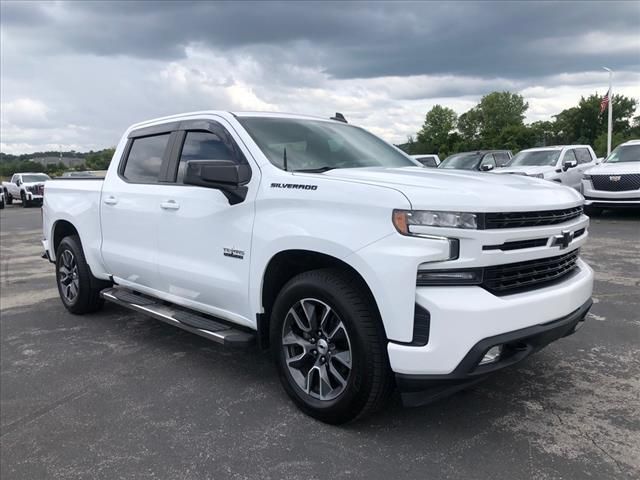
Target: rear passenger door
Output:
[(130, 209), (203, 240), (585, 162)]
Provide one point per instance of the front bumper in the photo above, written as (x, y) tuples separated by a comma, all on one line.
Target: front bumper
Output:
[(517, 345)]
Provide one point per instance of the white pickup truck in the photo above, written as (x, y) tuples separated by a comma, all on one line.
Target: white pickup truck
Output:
[(361, 270), (28, 187), (563, 164)]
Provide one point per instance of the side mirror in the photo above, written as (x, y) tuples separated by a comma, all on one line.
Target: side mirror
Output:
[(18, 182), (487, 167), (569, 164), (224, 175)]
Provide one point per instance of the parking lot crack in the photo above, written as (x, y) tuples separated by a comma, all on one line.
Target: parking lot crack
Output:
[(28, 419)]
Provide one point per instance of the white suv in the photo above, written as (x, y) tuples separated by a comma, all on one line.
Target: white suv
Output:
[(616, 182), (564, 164)]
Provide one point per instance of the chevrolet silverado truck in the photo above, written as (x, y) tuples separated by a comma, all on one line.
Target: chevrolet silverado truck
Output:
[(563, 164), (360, 270), (28, 187)]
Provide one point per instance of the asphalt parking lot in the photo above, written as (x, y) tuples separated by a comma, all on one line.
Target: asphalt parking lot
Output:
[(118, 395)]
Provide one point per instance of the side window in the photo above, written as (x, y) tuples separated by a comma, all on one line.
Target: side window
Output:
[(14, 179), (203, 146), (501, 158), (145, 159), (568, 156), (488, 160), (583, 155)]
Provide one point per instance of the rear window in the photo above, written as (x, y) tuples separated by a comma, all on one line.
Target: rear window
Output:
[(145, 159), (583, 155)]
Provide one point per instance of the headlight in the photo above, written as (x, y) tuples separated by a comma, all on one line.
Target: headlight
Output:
[(404, 219), (537, 175)]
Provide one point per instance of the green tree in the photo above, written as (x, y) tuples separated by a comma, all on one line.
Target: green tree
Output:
[(500, 110), (439, 123)]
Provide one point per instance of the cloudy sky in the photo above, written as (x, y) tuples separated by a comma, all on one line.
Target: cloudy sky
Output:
[(75, 74)]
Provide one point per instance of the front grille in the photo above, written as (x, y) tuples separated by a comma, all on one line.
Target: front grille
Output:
[(530, 219), (522, 276), (518, 244), (616, 183)]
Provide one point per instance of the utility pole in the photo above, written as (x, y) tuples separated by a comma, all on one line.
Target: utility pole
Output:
[(610, 113)]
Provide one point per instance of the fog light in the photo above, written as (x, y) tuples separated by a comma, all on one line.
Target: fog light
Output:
[(492, 356)]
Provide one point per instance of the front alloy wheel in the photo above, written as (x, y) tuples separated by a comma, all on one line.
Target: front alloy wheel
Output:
[(317, 349)]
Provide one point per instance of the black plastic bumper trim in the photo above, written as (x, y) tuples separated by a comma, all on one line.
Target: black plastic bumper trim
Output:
[(419, 390)]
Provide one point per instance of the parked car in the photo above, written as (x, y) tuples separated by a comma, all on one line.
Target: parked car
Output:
[(427, 160), (322, 242), (563, 164), (615, 183), (28, 187), (480, 160)]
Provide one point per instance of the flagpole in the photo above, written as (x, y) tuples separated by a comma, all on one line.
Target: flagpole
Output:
[(610, 112)]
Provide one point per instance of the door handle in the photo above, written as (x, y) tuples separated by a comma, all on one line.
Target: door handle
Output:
[(110, 200), (170, 205)]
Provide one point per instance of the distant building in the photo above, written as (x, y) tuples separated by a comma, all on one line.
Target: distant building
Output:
[(53, 160)]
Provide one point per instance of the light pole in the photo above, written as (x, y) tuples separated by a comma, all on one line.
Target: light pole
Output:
[(610, 113)]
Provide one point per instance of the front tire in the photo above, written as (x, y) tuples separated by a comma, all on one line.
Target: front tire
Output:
[(329, 346), (78, 289), (8, 197), (25, 202)]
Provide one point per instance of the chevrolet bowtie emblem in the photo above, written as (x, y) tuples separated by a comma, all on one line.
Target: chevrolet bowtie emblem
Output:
[(615, 178), (563, 240)]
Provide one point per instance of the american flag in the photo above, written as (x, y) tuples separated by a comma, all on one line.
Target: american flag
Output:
[(604, 102)]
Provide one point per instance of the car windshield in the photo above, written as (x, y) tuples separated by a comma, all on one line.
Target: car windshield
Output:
[(464, 161), (535, 158), (40, 177), (624, 153), (319, 145)]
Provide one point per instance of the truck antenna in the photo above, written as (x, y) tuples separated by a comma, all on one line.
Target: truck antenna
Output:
[(284, 159)]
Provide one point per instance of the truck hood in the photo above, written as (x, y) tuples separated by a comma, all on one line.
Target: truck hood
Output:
[(614, 168), (525, 170), (461, 190)]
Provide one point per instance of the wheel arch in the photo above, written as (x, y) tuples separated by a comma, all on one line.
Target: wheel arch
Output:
[(285, 265), (60, 230)]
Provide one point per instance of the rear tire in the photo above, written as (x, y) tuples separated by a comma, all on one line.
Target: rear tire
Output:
[(2, 204), (335, 369), (79, 290)]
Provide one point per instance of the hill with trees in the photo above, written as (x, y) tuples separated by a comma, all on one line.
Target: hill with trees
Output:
[(497, 121)]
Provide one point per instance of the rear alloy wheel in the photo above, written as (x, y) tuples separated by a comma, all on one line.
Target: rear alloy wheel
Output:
[(330, 347), (79, 290)]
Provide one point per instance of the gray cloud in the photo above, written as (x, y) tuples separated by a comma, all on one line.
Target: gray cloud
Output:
[(351, 40), (77, 73)]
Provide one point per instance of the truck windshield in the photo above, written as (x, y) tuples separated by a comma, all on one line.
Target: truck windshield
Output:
[(536, 158), (35, 178), (624, 153), (320, 146), (463, 161)]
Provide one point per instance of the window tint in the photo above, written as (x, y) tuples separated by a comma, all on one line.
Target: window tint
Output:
[(583, 155), (501, 158), (488, 160), (568, 156), (203, 146), (145, 158)]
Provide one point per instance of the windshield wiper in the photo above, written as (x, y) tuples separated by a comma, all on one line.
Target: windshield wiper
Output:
[(326, 168)]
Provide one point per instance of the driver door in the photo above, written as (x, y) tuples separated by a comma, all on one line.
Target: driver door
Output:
[(573, 176)]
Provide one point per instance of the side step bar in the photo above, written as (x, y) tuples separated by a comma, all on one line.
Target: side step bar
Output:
[(200, 324)]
